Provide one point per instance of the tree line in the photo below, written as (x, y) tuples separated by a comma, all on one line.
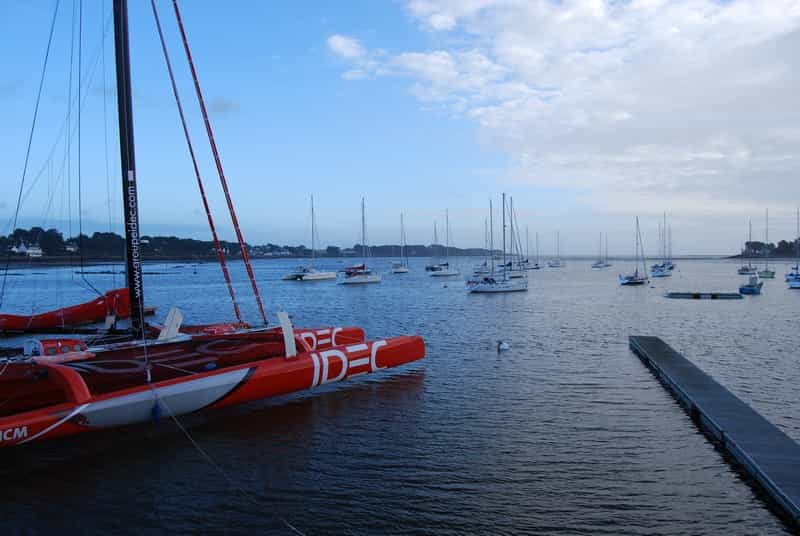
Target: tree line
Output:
[(112, 246)]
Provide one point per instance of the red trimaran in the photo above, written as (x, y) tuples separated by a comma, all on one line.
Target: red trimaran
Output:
[(59, 387)]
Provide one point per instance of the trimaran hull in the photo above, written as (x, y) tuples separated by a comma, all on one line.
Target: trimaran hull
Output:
[(185, 381)]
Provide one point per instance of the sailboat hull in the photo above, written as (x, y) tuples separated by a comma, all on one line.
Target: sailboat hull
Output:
[(80, 396)]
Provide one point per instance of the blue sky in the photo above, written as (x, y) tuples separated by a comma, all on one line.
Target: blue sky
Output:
[(433, 106)]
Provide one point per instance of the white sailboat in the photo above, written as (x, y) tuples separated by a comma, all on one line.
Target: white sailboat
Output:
[(602, 261), (401, 266), (496, 282), (662, 269), (557, 263), (793, 277), (767, 272), (636, 278), (749, 269), (360, 274), (444, 269), (308, 272)]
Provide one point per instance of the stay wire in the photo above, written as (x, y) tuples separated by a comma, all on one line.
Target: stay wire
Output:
[(30, 143), (80, 186)]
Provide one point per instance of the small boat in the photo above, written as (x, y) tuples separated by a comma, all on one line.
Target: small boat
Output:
[(556, 262), (767, 272), (602, 260), (793, 276), (309, 273), (444, 269), (636, 278), (753, 286), (748, 269), (494, 283), (401, 266), (360, 274), (662, 269)]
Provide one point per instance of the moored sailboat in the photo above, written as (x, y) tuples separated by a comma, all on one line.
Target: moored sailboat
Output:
[(444, 269), (308, 272), (496, 282), (62, 387), (767, 272), (748, 269), (401, 266), (636, 278), (360, 274)]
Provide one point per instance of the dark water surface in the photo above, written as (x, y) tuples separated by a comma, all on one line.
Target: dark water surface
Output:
[(565, 433)]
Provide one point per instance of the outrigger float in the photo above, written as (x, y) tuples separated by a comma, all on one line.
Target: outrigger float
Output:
[(59, 387), (113, 304)]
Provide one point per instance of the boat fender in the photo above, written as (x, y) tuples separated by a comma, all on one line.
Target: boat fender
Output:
[(155, 413)]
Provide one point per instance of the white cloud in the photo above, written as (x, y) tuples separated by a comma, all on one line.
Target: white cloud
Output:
[(639, 103), (346, 47)]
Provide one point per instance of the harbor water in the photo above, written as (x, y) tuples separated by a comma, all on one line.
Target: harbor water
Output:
[(566, 432)]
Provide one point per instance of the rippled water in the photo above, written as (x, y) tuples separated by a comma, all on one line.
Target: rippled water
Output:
[(565, 433)]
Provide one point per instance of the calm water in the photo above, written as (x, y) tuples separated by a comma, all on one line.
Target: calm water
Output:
[(565, 433)]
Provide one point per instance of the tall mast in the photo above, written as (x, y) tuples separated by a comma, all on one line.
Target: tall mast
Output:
[(446, 234), (363, 234), (491, 236), (766, 246), (511, 222), (313, 231), (537, 247), (133, 260), (527, 246), (504, 235), (749, 239)]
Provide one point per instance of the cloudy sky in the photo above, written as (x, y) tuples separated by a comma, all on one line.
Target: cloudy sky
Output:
[(588, 112)]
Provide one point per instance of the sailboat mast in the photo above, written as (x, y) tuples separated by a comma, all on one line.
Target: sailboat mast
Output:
[(133, 260), (446, 234), (491, 236), (504, 235), (363, 234), (313, 231), (537, 247), (749, 240), (766, 246), (511, 222), (527, 245)]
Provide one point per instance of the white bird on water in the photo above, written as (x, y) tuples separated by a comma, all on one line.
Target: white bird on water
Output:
[(502, 346)]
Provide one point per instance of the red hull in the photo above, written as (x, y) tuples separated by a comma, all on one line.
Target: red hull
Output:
[(113, 302), (110, 389)]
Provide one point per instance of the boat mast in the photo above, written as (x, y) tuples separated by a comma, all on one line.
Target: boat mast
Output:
[(133, 260), (313, 230), (363, 236), (527, 245), (749, 240), (511, 224), (491, 236), (446, 234), (504, 236), (766, 246)]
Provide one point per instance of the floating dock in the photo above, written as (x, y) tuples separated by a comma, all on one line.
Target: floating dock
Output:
[(767, 454), (704, 295)]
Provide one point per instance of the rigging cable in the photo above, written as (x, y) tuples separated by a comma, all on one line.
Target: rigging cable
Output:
[(80, 188), (217, 246), (30, 141), (218, 162)]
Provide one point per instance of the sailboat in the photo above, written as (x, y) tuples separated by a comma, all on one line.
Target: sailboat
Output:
[(636, 278), (536, 265), (556, 262), (360, 274), (514, 266), (749, 269), (401, 266), (309, 273), (793, 277), (766, 273), (65, 387), (662, 269), (496, 281), (484, 268), (602, 261), (444, 269)]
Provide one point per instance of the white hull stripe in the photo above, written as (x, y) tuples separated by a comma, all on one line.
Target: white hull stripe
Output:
[(55, 425)]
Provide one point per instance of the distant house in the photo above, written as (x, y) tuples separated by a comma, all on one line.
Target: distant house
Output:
[(34, 251)]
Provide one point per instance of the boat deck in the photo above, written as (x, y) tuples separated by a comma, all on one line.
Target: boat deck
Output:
[(767, 454)]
